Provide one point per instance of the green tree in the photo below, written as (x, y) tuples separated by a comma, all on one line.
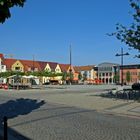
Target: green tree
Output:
[(84, 76), (139, 76), (64, 76), (10, 73), (130, 35), (79, 76), (5, 6), (116, 78), (71, 76), (128, 76)]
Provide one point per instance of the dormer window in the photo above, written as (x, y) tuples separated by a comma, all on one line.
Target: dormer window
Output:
[(17, 68), (29, 69), (36, 69), (47, 69)]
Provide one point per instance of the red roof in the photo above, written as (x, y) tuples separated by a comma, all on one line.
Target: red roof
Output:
[(9, 62), (52, 65), (30, 64), (1, 56), (64, 67), (42, 65), (83, 68)]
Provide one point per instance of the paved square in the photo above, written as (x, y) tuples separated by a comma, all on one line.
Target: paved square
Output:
[(68, 114)]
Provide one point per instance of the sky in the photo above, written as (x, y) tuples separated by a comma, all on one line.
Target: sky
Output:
[(45, 30)]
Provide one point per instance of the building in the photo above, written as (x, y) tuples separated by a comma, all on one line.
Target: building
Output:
[(107, 71), (2, 65), (88, 73), (131, 74)]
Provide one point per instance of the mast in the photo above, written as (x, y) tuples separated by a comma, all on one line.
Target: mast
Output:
[(70, 66)]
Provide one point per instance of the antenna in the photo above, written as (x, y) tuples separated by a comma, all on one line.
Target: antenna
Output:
[(9, 55)]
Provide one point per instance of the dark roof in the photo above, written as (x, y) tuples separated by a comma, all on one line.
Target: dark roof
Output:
[(133, 66), (107, 64)]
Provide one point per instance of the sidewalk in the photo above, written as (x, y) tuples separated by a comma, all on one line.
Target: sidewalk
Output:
[(91, 101)]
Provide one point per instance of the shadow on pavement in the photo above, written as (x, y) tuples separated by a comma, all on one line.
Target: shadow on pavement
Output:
[(21, 106)]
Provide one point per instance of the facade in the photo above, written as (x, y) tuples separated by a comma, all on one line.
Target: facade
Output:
[(131, 74), (58, 69), (17, 66), (2, 65), (66, 68), (88, 73), (2, 68), (106, 72)]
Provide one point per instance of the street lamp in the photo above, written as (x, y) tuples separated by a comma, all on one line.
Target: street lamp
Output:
[(122, 54)]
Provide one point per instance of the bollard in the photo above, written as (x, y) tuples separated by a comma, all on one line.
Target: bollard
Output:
[(5, 128)]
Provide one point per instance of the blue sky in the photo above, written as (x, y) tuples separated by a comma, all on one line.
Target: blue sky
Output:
[(46, 29)]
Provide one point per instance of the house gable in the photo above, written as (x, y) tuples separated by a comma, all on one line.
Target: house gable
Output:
[(17, 66), (58, 69), (47, 68)]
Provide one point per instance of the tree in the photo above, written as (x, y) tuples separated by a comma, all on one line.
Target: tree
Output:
[(5, 6), (139, 76), (64, 76), (84, 76), (128, 76), (10, 73), (116, 78), (79, 76), (130, 35)]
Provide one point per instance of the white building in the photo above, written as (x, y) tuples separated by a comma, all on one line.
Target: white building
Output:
[(106, 72), (2, 68)]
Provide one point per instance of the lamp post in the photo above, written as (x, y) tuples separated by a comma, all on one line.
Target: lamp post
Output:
[(122, 54), (70, 70)]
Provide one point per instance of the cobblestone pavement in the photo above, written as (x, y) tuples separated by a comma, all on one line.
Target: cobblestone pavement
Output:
[(59, 122), (65, 117)]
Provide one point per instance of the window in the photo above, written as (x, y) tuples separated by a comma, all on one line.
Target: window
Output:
[(2, 67), (17, 68), (57, 69), (29, 69), (36, 69), (47, 69)]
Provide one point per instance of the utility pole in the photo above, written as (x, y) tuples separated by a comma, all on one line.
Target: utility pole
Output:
[(70, 66), (122, 54), (33, 63)]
